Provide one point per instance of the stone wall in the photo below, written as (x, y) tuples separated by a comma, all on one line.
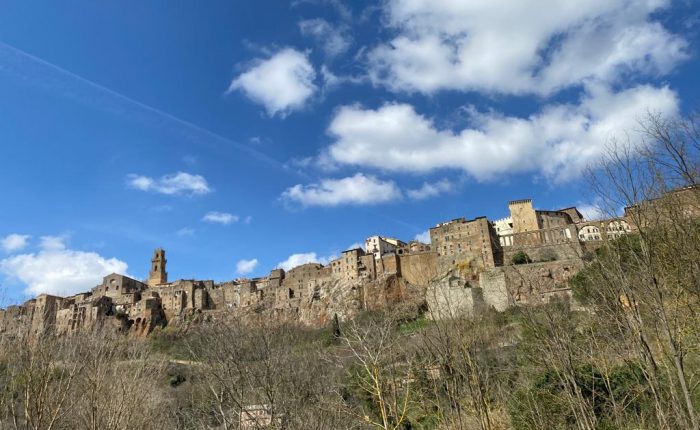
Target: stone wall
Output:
[(419, 268), (494, 289), (538, 282), (449, 296)]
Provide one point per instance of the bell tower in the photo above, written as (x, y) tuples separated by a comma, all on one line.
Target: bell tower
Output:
[(158, 275)]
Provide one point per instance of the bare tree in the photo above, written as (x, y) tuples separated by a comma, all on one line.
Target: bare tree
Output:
[(121, 384), (651, 284), (273, 367), (379, 367), (40, 377)]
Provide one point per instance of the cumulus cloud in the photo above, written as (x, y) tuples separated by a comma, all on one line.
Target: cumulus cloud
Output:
[(282, 83), (558, 142), (220, 218), (428, 190), (295, 260), (353, 190), (177, 183), (244, 267), (423, 237), (14, 242), (480, 45), (334, 39), (55, 269)]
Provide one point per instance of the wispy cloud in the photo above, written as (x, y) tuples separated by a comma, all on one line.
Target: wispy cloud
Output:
[(223, 218), (429, 190), (14, 242), (177, 183), (244, 267), (334, 39), (185, 231)]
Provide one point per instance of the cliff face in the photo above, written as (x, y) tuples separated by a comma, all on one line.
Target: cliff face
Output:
[(330, 297), (311, 294)]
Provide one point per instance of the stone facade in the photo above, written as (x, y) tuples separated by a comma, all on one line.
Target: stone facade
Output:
[(461, 240)]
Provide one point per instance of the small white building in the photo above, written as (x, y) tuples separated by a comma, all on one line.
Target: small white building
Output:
[(504, 230), (617, 228), (380, 245), (588, 233)]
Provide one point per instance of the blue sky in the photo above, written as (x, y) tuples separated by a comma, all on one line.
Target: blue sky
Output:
[(240, 135)]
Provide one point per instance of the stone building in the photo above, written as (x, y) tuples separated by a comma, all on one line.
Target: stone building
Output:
[(504, 230), (354, 264), (380, 245), (469, 262), (676, 205), (474, 240), (255, 417)]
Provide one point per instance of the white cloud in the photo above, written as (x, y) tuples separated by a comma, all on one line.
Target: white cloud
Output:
[(423, 237), (162, 208), (14, 242), (177, 183), (333, 38), (341, 8), (295, 260), (185, 231), (282, 83), (557, 142), (356, 245), (591, 211), (429, 190), (480, 45), (52, 243), (353, 190), (220, 218), (243, 267), (597, 209), (58, 270)]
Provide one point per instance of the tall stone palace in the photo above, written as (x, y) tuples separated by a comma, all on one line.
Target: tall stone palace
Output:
[(467, 265)]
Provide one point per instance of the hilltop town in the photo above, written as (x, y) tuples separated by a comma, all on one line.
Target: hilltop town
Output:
[(524, 258)]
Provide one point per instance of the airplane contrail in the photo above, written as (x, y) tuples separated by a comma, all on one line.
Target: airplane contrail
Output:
[(14, 61), (18, 63)]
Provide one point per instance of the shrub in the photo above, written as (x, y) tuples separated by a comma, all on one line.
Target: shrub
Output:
[(521, 257)]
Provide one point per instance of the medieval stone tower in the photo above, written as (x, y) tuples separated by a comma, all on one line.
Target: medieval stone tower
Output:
[(524, 216), (158, 275)]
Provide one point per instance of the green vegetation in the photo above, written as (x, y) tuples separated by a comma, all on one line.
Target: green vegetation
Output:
[(521, 257)]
